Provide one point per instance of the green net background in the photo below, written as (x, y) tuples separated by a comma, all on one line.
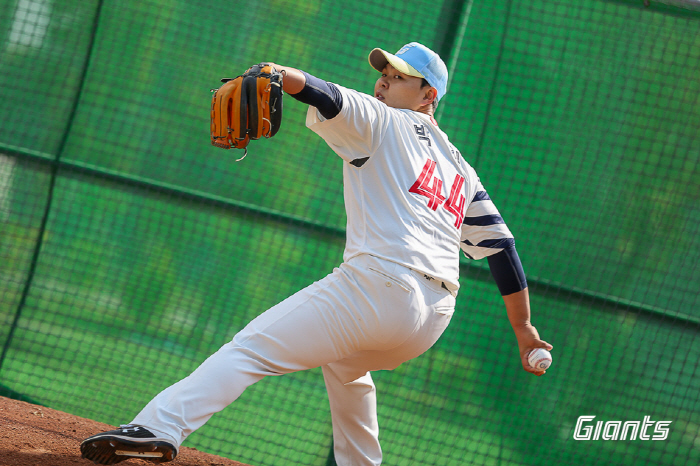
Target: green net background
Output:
[(131, 249)]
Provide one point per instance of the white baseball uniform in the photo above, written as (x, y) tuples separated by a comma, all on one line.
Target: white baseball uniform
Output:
[(390, 299)]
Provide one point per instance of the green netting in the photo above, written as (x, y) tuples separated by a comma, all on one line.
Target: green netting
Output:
[(131, 249)]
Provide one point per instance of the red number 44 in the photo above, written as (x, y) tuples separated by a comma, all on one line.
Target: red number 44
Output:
[(431, 187)]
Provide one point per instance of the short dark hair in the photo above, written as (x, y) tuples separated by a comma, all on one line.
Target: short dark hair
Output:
[(426, 83)]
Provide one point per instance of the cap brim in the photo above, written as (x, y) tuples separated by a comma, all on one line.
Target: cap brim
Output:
[(379, 58)]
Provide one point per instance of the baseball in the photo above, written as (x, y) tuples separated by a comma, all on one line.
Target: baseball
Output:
[(539, 359)]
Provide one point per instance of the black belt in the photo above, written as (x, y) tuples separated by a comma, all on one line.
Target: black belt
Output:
[(442, 284)]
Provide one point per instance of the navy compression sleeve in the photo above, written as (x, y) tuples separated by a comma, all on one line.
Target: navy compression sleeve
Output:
[(507, 271), (320, 94)]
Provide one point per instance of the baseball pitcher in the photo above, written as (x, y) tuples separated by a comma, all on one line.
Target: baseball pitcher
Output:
[(412, 204)]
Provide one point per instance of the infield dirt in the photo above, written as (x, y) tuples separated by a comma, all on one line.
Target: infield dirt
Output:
[(32, 435)]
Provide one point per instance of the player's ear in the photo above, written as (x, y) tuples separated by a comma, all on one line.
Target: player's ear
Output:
[(430, 95)]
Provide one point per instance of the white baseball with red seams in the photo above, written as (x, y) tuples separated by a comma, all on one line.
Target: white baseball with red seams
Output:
[(540, 359)]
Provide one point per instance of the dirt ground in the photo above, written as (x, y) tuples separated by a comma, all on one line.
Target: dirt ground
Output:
[(31, 435)]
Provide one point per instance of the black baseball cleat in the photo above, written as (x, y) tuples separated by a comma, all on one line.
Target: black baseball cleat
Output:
[(127, 442)]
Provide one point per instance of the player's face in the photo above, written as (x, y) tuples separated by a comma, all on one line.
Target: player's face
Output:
[(399, 90)]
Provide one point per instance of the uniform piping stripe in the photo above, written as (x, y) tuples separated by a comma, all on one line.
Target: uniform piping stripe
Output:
[(492, 243), (483, 220), (481, 196)]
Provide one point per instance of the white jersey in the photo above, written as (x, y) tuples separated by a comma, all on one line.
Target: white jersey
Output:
[(407, 202)]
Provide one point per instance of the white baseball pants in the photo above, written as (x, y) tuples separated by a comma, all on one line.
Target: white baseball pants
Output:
[(369, 314)]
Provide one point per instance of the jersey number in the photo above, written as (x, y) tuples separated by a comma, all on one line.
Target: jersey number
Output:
[(431, 187)]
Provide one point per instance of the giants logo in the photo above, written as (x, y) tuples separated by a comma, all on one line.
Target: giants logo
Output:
[(617, 430)]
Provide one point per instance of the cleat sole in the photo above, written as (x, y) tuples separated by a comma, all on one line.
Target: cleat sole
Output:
[(139, 454), (112, 451)]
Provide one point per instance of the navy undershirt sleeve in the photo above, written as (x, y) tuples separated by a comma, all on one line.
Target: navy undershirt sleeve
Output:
[(507, 271), (323, 95)]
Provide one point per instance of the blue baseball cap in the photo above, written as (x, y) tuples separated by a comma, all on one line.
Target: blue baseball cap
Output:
[(417, 60)]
